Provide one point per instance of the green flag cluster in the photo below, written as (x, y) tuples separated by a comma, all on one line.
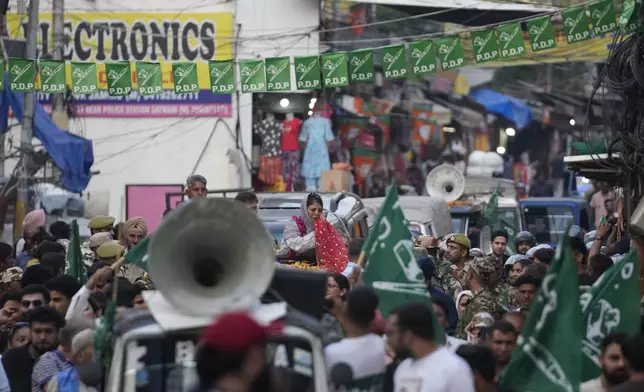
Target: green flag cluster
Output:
[(559, 344), (420, 58), (547, 357), (392, 269)]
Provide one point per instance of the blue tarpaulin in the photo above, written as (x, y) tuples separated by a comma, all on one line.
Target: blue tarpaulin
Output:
[(73, 154), (509, 107)]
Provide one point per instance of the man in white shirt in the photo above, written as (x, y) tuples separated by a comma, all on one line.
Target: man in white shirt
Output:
[(612, 362), (362, 351), (440, 308), (429, 368)]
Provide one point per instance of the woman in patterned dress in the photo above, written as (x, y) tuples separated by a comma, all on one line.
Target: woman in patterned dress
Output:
[(316, 235)]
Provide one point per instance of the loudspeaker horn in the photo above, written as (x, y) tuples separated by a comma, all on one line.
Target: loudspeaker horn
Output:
[(210, 256), (445, 182)]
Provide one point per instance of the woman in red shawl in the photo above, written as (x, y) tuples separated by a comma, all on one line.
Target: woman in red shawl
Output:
[(318, 236)]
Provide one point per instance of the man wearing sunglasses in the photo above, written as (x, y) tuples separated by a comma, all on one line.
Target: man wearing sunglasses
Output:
[(33, 296)]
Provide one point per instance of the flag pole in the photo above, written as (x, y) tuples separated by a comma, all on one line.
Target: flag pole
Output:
[(362, 259)]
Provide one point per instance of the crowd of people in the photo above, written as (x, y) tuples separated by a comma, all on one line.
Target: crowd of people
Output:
[(47, 318), (459, 340)]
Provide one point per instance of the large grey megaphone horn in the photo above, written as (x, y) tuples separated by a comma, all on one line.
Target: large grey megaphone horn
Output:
[(211, 255), (445, 182)]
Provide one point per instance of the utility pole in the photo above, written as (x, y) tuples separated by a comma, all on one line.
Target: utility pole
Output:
[(26, 147), (59, 112)]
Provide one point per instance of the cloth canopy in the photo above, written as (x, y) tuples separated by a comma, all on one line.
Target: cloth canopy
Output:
[(73, 154), (511, 108)]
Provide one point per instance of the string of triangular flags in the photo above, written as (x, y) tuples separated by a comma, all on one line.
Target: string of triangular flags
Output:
[(335, 69)]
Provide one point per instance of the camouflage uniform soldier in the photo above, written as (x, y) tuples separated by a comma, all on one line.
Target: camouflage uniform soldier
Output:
[(484, 270), (98, 224), (452, 271)]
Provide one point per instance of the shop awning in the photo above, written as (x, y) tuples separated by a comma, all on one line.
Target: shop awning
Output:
[(511, 108), (465, 12), (598, 167)]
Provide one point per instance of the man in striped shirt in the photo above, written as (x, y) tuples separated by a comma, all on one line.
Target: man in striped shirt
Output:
[(57, 360)]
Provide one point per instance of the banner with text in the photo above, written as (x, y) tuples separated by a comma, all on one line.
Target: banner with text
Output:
[(129, 39)]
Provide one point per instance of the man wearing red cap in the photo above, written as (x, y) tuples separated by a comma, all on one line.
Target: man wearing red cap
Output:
[(231, 356)]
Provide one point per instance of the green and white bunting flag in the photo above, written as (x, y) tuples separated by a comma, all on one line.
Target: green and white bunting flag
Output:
[(84, 78), (253, 76), (450, 52), (576, 24), (307, 72), (149, 78), (485, 45), (52, 76), (602, 14), (186, 78), (511, 40), (22, 75), (222, 76), (541, 33), (626, 14), (394, 62), (278, 74), (492, 44), (119, 78), (612, 305), (423, 57), (334, 69), (361, 66)]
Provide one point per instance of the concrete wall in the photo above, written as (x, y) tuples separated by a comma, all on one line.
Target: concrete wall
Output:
[(166, 150)]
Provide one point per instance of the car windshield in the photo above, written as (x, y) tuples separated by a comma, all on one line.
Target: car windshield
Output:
[(548, 223), (458, 224)]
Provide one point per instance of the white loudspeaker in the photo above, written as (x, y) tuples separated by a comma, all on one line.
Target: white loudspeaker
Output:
[(445, 182), (210, 256)]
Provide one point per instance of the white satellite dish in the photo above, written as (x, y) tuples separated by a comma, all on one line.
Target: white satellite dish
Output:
[(445, 182)]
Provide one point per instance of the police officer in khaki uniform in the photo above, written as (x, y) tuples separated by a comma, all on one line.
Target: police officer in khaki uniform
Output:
[(98, 224), (110, 252)]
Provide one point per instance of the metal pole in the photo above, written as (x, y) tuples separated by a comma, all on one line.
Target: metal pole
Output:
[(58, 22), (59, 112), (26, 148)]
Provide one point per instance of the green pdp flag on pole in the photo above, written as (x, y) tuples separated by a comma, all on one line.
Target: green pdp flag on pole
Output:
[(22, 75), (492, 218), (52, 76), (119, 78), (334, 69), (139, 255), (84, 78), (74, 265), (392, 269), (611, 305), (186, 79), (148, 78), (307, 72), (278, 74), (547, 357), (394, 62), (222, 77), (253, 76)]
